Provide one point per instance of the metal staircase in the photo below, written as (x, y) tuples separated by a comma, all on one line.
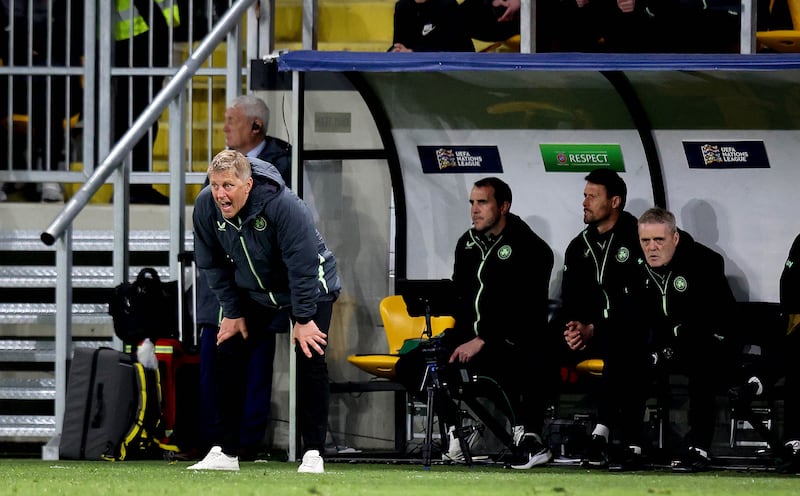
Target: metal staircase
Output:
[(28, 310)]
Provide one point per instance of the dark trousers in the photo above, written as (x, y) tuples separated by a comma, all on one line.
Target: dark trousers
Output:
[(258, 388), (313, 387), (516, 378), (628, 380), (230, 378), (624, 388), (791, 401)]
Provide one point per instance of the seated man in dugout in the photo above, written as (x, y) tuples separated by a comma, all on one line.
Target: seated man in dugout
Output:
[(600, 263), (500, 335), (778, 362), (683, 303)]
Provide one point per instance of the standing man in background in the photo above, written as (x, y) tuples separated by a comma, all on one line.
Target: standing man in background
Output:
[(142, 39), (246, 123)]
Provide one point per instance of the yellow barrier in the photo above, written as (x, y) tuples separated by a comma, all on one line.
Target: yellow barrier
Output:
[(103, 195)]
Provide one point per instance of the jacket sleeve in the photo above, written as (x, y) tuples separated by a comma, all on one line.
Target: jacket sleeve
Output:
[(299, 240), (402, 23), (211, 259), (714, 310), (790, 280), (574, 297)]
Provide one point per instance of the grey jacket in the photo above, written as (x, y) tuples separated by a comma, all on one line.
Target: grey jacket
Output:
[(270, 253)]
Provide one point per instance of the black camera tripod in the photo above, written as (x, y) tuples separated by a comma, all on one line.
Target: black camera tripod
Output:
[(435, 298), (438, 399)]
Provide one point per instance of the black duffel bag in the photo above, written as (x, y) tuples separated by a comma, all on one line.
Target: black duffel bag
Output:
[(145, 308)]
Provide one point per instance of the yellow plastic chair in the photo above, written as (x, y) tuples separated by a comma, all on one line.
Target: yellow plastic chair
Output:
[(591, 366), (783, 40), (509, 45), (399, 327)]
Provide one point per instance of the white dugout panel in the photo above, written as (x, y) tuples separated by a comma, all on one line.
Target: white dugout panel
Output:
[(438, 204), (750, 216)]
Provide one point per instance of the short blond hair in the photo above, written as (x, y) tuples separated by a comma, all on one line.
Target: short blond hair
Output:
[(231, 160)]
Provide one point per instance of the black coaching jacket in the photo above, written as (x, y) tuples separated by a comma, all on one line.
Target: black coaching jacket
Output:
[(503, 283)]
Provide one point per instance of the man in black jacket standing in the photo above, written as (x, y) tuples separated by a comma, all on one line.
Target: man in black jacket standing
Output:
[(500, 329)]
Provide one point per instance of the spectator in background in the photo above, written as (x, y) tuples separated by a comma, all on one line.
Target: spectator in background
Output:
[(246, 123), (491, 20), (706, 26), (142, 34), (607, 26), (429, 26), (40, 38)]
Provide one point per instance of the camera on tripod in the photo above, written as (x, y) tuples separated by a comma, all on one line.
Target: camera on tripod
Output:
[(434, 352)]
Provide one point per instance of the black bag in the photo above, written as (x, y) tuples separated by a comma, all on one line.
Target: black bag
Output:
[(145, 308), (113, 409), (99, 397), (145, 438)]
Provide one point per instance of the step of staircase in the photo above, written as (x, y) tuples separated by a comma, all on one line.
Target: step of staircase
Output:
[(27, 428), (43, 388), (37, 351)]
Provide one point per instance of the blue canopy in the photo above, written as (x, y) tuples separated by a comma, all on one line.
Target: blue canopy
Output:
[(314, 60)]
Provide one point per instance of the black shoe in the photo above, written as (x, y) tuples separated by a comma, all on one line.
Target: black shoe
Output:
[(629, 461), (252, 453), (596, 455), (742, 396), (692, 461)]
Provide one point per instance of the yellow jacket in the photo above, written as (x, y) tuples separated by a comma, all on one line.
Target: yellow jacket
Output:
[(129, 22)]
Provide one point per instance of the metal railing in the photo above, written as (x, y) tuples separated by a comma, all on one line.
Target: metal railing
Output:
[(173, 95)]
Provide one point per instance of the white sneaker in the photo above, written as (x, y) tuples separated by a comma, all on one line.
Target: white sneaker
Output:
[(217, 460), (51, 192), (454, 452), (533, 451), (517, 433), (312, 463)]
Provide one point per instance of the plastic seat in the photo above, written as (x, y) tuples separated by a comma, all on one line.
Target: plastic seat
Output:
[(591, 366), (509, 45), (399, 327), (783, 40)]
